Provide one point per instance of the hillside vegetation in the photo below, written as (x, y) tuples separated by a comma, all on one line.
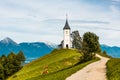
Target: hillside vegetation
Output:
[(113, 69), (11, 64), (63, 74), (55, 61), (57, 65)]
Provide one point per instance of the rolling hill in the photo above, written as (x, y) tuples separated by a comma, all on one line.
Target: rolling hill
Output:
[(57, 65), (57, 60)]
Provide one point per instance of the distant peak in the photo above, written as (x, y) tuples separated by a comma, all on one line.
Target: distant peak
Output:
[(53, 45), (8, 40)]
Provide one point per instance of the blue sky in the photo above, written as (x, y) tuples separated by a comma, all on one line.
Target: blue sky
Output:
[(43, 20)]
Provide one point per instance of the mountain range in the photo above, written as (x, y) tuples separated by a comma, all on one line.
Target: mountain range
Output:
[(33, 50), (113, 51)]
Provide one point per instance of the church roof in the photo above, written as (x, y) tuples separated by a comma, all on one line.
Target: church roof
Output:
[(66, 25)]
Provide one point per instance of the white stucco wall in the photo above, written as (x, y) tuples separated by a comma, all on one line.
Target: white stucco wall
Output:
[(67, 38)]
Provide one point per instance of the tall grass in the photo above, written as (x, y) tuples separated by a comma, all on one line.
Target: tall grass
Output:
[(113, 69)]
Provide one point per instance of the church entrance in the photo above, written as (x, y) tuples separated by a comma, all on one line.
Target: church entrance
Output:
[(67, 46)]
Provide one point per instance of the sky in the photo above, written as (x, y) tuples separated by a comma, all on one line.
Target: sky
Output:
[(43, 20)]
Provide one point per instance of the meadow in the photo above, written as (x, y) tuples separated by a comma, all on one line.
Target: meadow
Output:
[(113, 69), (57, 65)]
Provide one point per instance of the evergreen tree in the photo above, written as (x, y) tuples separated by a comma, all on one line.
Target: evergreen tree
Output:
[(10, 64), (20, 56), (1, 72), (104, 52), (13, 64), (3, 60)]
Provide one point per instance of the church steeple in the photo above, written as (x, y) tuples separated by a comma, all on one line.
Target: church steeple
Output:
[(66, 35), (66, 24)]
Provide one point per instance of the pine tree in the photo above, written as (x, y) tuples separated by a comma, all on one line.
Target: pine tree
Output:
[(13, 64), (20, 56), (10, 64), (2, 76)]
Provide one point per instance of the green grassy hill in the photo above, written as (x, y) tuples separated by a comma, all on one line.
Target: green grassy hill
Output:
[(113, 69), (53, 62), (57, 65)]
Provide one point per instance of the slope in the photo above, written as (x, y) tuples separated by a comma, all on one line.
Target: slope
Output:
[(55, 61), (113, 69)]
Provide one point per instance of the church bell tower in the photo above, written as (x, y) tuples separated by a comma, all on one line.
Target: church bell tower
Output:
[(66, 35)]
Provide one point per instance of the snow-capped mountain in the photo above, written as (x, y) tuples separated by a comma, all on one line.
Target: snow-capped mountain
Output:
[(36, 49), (31, 50), (53, 45), (7, 40), (7, 45)]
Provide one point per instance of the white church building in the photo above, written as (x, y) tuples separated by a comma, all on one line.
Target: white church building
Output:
[(67, 40)]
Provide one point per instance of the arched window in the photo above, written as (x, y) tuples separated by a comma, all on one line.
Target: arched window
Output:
[(66, 32)]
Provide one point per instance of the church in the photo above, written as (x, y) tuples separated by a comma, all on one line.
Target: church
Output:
[(67, 39)]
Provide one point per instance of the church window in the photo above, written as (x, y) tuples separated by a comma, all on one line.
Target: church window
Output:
[(66, 32)]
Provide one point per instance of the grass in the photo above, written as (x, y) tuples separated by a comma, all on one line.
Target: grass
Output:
[(63, 74), (56, 61), (57, 65), (113, 69)]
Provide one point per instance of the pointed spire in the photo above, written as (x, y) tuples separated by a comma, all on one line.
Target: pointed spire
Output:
[(66, 24)]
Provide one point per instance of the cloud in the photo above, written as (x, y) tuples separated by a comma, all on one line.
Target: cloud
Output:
[(98, 28), (30, 20), (76, 21)]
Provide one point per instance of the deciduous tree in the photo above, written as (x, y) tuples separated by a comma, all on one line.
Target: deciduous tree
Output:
[(90, 45)]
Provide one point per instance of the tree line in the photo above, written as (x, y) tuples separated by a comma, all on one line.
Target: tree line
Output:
[(10, 64)]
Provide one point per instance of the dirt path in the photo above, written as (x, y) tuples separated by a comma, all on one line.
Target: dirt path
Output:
[(93, 71)]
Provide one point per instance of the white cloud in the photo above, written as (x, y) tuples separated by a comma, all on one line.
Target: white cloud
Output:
[(114, 9), (33, 20)]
